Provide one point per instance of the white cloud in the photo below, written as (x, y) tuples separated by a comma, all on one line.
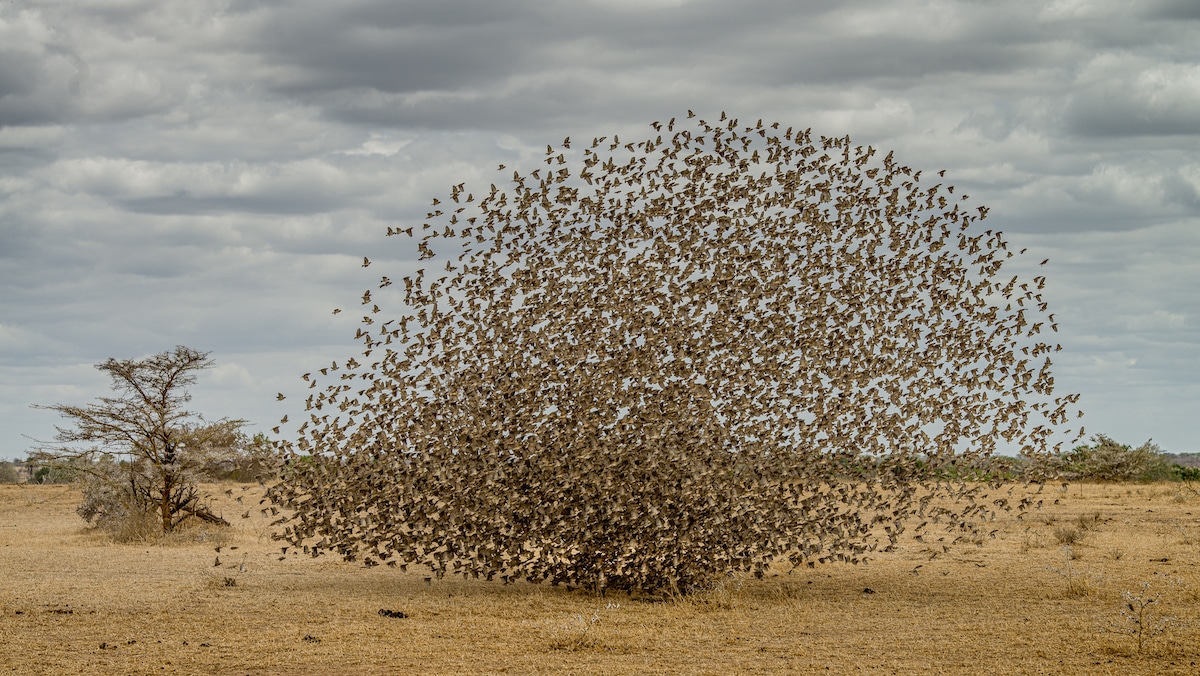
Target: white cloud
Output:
[(211, 172), (14, 340), (31, 136), (1156, 320), (1078, 9), (231, 375), (380, 144), (1119, 93)]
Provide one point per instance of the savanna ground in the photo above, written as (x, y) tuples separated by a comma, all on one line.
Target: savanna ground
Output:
[(73, 602)]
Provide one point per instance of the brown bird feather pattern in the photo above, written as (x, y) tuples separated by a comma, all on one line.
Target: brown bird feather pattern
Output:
[(648, 365)]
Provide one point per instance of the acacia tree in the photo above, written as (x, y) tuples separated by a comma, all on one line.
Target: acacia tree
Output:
[(645, 365), (142, 449)]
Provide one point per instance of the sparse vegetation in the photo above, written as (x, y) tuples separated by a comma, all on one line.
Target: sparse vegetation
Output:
[(239, 458), (1110, 461), (1141, 619), (1087, 522), (1079, 583), (1031, 540), (8, 473), (578, 634), (140, 453), (43, 470), (722, 594), (1067, 535)]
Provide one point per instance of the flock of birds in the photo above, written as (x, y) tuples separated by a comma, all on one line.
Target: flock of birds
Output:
[(648, 364)]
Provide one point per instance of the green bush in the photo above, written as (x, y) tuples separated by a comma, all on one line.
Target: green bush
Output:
[(47, 472), (991, 468), (240, 458), (1108, 460), (1181, 473)]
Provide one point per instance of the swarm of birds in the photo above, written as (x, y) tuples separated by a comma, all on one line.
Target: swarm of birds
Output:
[(646, 365)]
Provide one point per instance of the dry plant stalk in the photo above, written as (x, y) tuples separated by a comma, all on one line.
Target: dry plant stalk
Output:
[(649, 365), (1140, 621), (1078, 584)]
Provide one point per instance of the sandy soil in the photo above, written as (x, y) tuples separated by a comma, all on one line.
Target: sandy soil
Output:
[(73, 602)]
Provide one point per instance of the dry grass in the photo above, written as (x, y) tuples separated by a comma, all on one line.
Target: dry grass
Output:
[(72, 602)]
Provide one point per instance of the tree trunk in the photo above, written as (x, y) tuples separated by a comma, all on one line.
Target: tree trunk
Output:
[(165, 504), (203, 514)]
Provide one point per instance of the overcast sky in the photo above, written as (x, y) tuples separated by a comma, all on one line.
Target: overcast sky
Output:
[(211, 172)]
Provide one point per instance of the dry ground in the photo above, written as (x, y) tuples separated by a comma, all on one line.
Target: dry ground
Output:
[(72, 602)]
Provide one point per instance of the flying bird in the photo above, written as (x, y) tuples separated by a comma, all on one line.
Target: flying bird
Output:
[(717, 338)]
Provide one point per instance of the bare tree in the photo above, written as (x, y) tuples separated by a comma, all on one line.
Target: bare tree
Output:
[(142, 450)]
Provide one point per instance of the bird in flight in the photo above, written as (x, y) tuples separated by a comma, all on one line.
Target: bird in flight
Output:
[(644, 365)]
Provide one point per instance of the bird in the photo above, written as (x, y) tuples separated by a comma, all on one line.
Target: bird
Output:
[(715, 337)]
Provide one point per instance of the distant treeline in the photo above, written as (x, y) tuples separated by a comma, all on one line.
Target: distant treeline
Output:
[(1102, 460), (241, 469), (1108, 460), (1191, 460)]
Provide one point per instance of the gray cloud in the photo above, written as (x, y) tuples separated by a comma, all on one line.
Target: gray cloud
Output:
[(28, 94), (1130, 95), (211, 172), (1172, 9)]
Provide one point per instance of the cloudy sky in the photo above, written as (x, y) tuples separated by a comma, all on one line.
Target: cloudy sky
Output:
[(211, 172)]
